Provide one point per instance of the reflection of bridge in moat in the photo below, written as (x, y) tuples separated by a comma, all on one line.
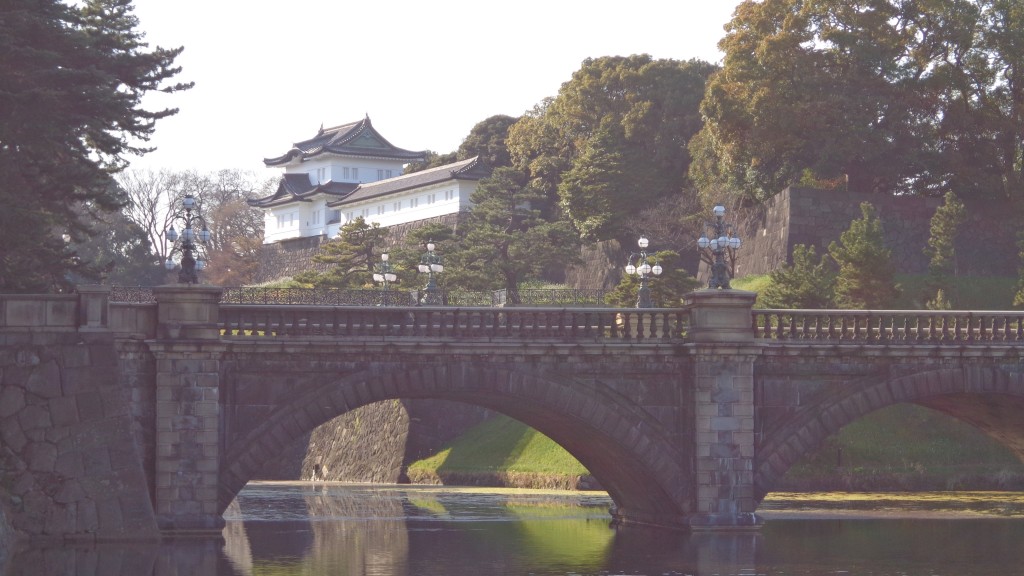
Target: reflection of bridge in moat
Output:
[(686, 416)]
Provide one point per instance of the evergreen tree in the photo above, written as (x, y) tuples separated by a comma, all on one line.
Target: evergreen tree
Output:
[(506, 240), (803, 284), (405, 254), (1018, 298), (349, 259), (618, 132), (866, 278), (487, 140), (890, 96), (667, 289), (941, 252), (74, 76)]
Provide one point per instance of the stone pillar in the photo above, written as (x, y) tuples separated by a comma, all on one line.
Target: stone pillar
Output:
[(724, 354), (93, 308), (187, 352)]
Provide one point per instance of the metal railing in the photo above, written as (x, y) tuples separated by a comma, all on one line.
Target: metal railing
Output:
[(528, 324), (890, 326)]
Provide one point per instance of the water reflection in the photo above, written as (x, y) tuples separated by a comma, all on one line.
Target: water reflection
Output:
[(319, 530)]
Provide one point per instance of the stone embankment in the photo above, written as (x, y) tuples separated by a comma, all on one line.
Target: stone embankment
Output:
[(69, 463)]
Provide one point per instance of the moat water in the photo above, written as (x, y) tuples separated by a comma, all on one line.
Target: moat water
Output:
[(284, 529)]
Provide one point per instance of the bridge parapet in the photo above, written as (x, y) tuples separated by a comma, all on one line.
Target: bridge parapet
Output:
[(954, 327), (563, 324)]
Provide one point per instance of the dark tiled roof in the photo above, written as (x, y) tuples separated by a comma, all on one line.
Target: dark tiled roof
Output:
[(297, 187), (353, 139), (470, 169)]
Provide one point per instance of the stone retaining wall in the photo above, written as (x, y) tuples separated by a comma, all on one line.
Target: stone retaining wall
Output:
[(376, 443), (986, 245), (69, 460)]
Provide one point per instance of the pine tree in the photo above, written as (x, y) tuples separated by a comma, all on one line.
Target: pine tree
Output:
[(1018, 299), (941, 252), (349, 259), (802, 284), (667, 289), (866, 278), (506, 239), (74, 76)]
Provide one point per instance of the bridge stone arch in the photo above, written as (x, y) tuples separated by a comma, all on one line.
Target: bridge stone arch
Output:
[(635, 455), (989, 397)]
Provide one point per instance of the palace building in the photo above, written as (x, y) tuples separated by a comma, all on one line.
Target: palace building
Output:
[(349, 171)]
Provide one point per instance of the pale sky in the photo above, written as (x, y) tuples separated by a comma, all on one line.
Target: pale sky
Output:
[(269, 74)]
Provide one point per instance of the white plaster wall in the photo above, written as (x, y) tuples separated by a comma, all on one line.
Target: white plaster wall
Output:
[(336, 169), (459, 192)]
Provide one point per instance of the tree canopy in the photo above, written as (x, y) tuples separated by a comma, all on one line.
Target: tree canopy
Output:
[(866, 278), (809, 282), (613, 140), (348, 261), (506, 240), (889, 96), (74, 76)]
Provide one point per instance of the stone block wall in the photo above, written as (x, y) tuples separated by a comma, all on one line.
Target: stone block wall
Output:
[(375, 443), (69, 465), (985, 246)]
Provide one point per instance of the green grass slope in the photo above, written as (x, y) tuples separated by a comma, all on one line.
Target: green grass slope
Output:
[(501, 452)]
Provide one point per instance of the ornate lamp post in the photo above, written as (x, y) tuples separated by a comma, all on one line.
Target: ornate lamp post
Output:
[(721, 245), (643, 269), (430, 264), (190, 264), (385, 276)]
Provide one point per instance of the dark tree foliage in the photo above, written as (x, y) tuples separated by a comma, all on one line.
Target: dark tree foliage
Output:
[(432, 160), (809, 282), (890, 96), (487, 140), (941, 252), (614, 140), (119, 250), (406, 254), (867, 276), (667, 289), (506, 239), (349, 259), (70, 110)]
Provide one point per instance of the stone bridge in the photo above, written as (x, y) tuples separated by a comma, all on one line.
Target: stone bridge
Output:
[(135, 420)]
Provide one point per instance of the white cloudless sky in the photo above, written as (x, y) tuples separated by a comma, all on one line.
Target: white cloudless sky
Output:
[(268, 74)]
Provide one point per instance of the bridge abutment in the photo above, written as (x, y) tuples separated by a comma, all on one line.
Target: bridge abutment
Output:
[(187, 353), (723, 396)]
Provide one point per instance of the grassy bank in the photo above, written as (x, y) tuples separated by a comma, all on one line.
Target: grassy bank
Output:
[(502, 452), (902, 447), (971, 293), (907, 447)]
